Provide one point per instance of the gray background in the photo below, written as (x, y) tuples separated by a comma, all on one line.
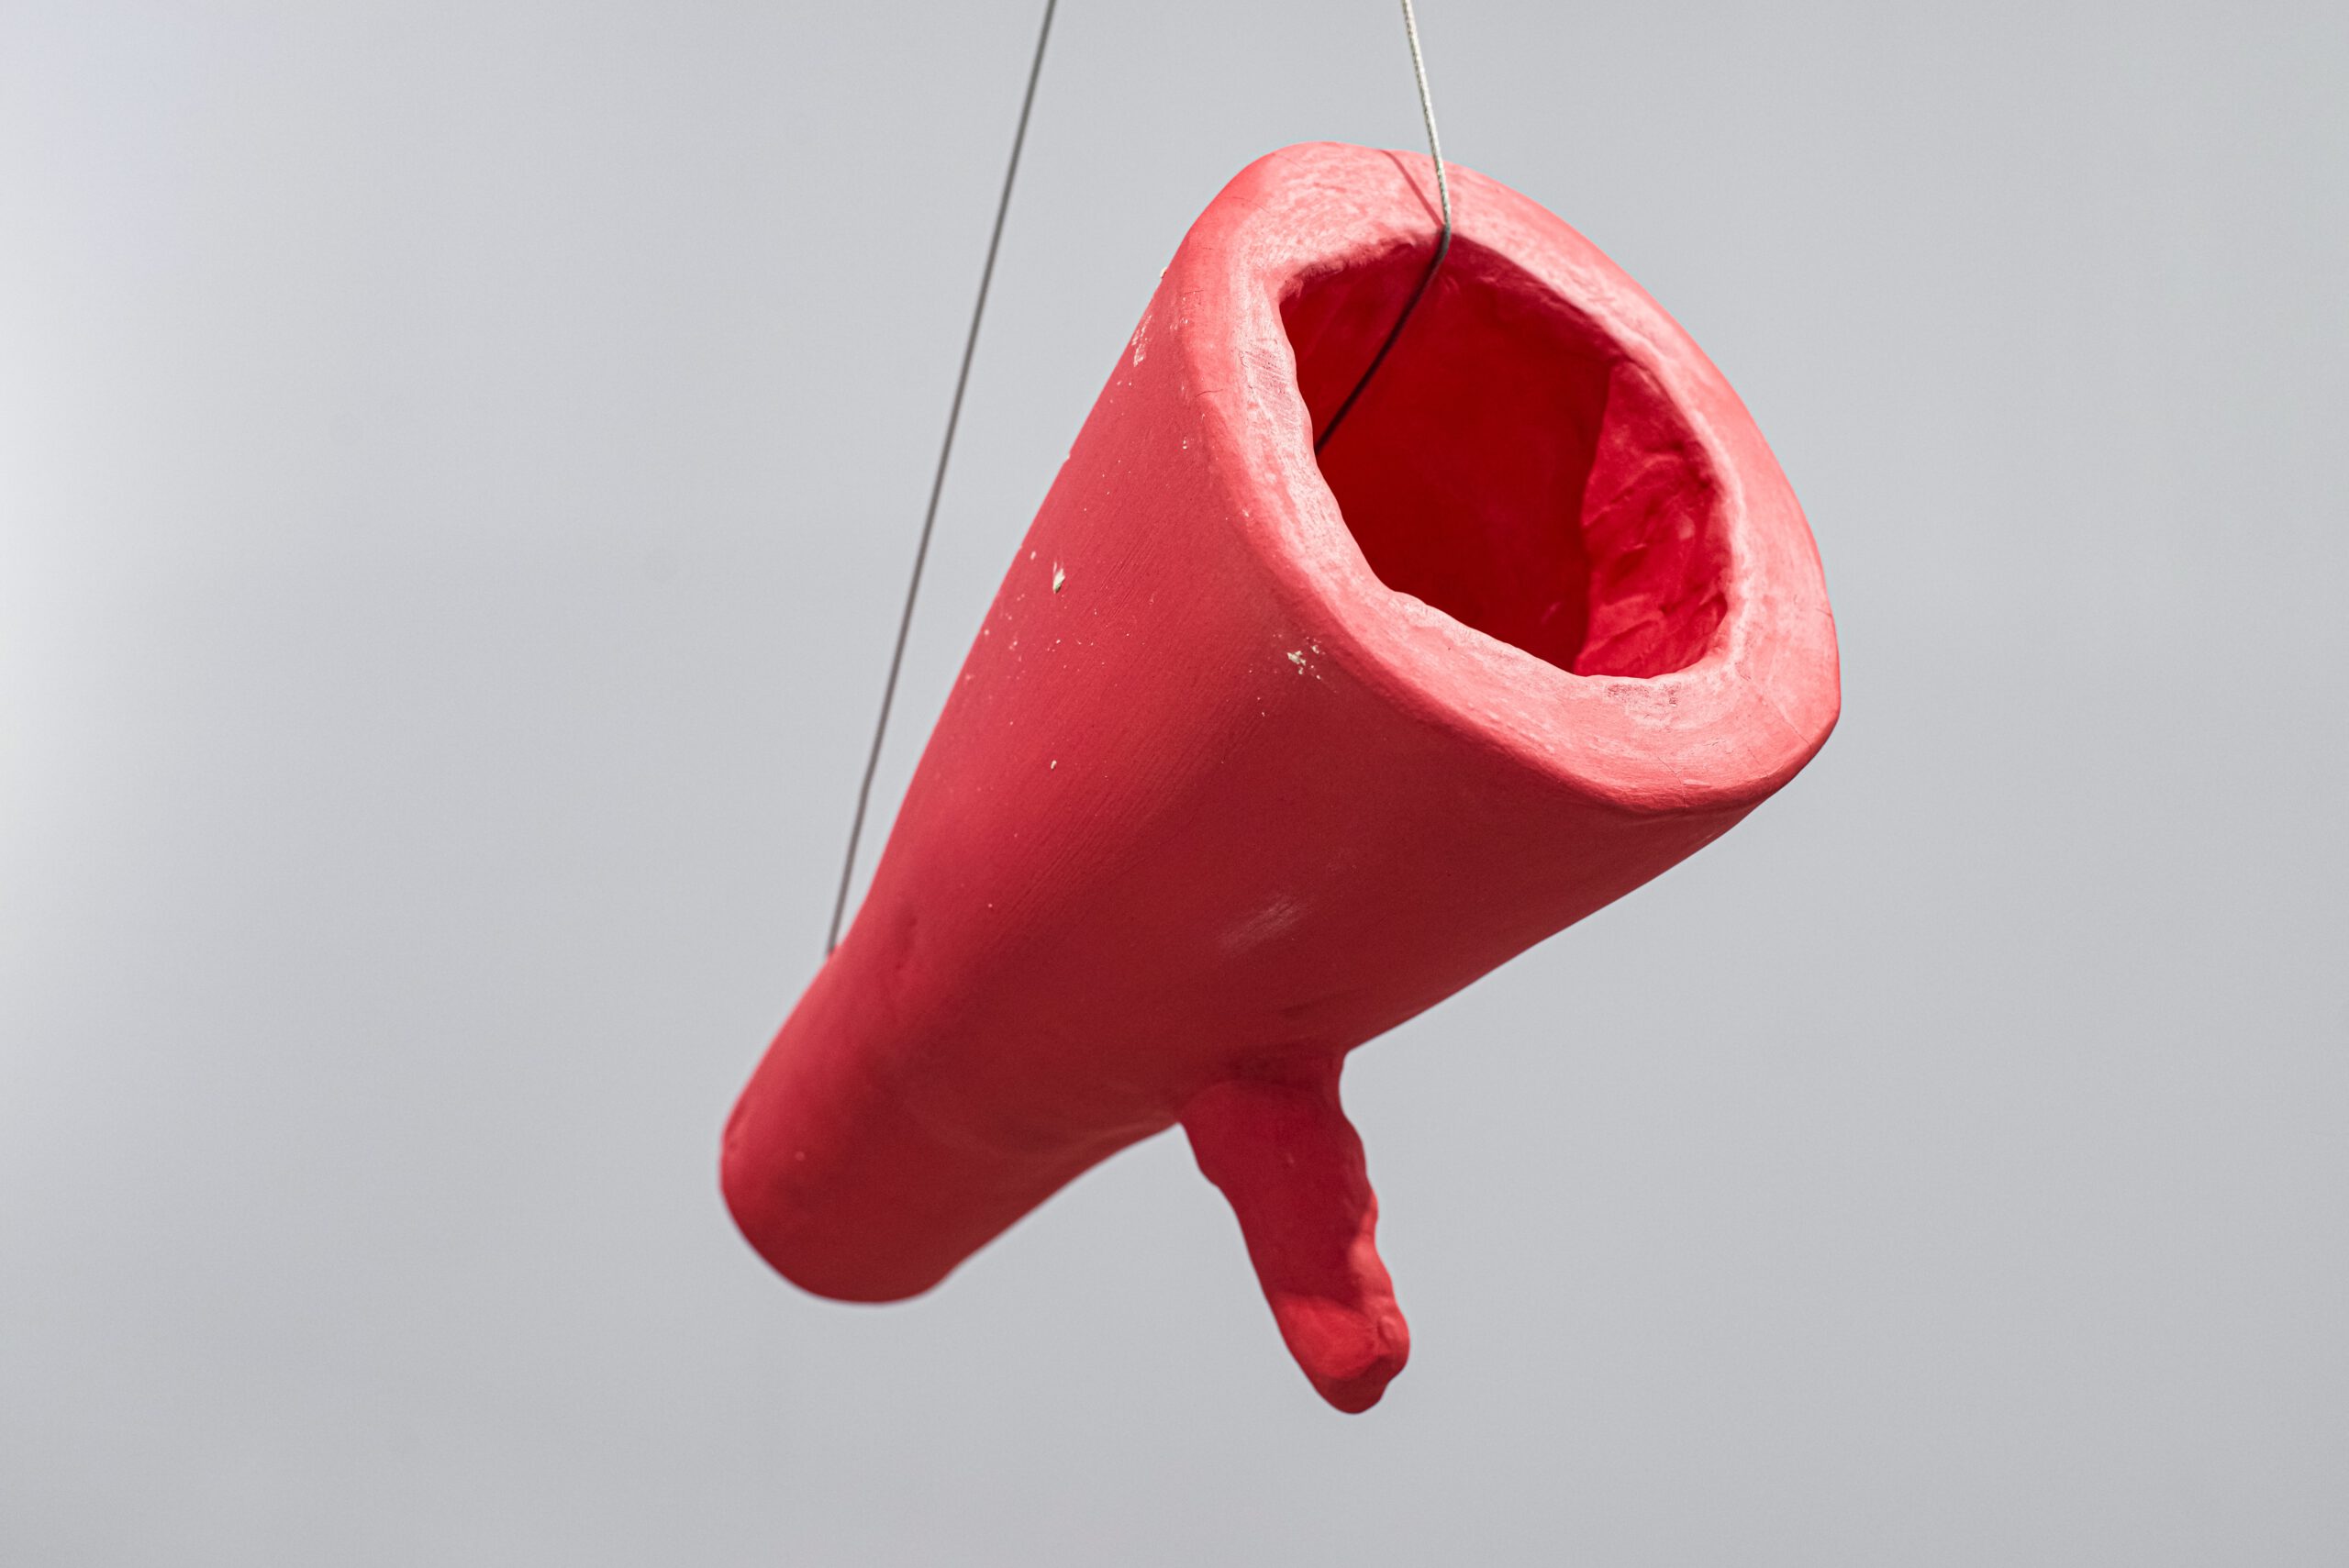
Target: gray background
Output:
[(458, 464)]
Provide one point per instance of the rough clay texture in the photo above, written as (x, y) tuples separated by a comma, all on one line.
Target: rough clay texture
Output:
[(1256, 756)]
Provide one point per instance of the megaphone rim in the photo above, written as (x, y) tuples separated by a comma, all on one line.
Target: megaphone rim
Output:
[(1726, 730)]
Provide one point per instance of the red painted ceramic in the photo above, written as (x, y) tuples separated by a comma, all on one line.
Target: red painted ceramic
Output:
[(1259, 755)]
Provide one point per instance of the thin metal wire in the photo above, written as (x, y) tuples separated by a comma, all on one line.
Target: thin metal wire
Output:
[(1442, 247), (937, 487)]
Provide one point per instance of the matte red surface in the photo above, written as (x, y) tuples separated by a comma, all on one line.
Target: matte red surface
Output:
[(1256, 757)]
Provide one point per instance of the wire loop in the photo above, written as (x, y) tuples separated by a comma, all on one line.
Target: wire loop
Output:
[(1442, 244)]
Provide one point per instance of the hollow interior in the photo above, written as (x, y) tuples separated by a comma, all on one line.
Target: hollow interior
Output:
[(1508, 465)]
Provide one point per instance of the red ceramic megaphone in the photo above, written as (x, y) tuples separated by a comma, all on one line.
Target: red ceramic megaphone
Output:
[(1257, 756)]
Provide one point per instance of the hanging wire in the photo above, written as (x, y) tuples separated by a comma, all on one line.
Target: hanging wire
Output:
[(1442, 246), (963, 380), (937, 487)]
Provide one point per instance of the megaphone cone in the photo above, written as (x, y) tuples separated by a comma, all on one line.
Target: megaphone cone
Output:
[(1256, 756)]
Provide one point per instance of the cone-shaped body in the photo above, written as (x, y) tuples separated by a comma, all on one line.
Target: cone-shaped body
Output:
[(1258, 755)]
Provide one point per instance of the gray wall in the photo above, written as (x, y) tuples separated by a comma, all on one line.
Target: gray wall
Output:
[(457, 467)]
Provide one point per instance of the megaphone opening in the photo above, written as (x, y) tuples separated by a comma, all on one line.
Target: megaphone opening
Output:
[(1511, 465)]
